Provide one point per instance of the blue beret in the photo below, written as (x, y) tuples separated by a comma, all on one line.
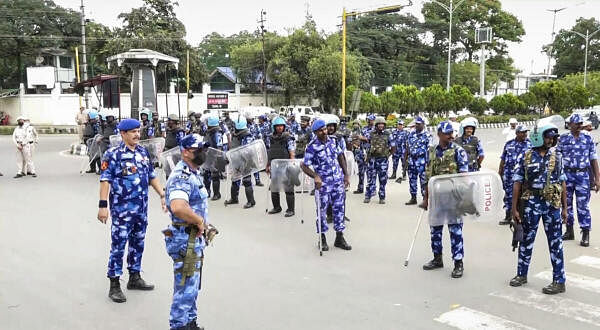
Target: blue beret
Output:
[(445, 127), (419, 120), (318, 124), (522, 128), (576, 118), (128, 124), (192, 141), (371, 117)]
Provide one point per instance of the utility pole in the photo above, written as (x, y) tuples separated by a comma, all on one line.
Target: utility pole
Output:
[(587, 37), (262, 21), (450, 11), (555, 11), (83, 54), (482, 72)]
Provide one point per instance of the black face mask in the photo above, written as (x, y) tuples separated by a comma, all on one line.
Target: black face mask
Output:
[(199, 157), (20, 123)]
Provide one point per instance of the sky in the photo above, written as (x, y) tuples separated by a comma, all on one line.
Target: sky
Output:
[(228, 17)]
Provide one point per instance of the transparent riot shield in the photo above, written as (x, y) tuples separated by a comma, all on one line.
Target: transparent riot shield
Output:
[(286, 175), (247, 159), (115, 140), (556, 120), (215, 160), (169, 159), (94, 151), (155, 148), (455, 197), (351, 165)]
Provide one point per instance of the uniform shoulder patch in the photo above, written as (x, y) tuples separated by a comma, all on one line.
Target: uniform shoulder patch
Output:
[(104, 165)]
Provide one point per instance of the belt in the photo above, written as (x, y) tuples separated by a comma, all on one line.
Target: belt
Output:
[(188, 228), (573, 169)]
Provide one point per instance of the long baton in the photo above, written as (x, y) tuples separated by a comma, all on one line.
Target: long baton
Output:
[(318, 204), (414, 238)]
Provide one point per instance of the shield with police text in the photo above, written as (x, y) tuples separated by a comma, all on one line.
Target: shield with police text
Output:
[(287, 176), (215, 160), (169, 159), (474, 195), (247, 159)]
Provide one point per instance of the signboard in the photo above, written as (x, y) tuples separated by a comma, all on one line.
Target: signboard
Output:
[(217, 100)]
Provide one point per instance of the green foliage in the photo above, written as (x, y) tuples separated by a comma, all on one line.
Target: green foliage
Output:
[(531, 101), (507, 104), (554, 94), (569, 49), (478, 106), (370, 103), (436, 99), (402, 99), (593, 84), (466, 73), (460, 97)]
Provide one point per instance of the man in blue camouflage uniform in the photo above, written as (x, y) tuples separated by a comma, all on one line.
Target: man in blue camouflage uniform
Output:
[(293, 125), (191, 122), (126, 173), (439, 163), (265, 128), (508, 160), (399, 135), (241, 137), (417, 143), (255, 131), (225, 134), (332, 131), (471, 143), (539, 188), (381, 145), (579, 155), (281, 145), (214, 139), (331, 180), (360, 156), (184, 239)]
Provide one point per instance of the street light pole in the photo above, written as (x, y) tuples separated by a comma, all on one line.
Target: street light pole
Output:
[(83, 54), (344, 62), (450, 11), (555, 11), (586, 37)]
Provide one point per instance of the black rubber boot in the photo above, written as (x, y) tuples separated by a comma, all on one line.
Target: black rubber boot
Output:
[(412, 201), (340, 242), (193, 326), (506, 219), (216, 185), (585, 237), (457, 272), (114, 293), (382, 201), (290, 200), (569, 235), (249, 197), (437, 262), (235, 192), (18, 175), (393, 176), (554, 288), (276, 203), (518, 281), (137, 283), (259, 184), (231, 201), (399, 180), (358, 191), (367, 200), (324, 245)]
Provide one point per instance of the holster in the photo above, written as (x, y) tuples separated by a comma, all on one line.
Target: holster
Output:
[(190, 258)]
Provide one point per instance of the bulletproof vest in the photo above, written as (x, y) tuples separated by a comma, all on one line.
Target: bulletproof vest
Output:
[(237, 138), (338, 137), (211, 135), (551, 191), (442, 165), (302, 142), (470, 148), (157, 129), (144, 132), (171, 138), (379, 145), (88, 131), (278, 149), (108, 130)]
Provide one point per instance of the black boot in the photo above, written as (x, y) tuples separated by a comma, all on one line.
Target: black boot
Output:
[(393, 176), (115, 293), (457, 272), (569, 235), (290, 200), (399, 180), (216, 185), (234, 193), (137, 283), (358, 191), (412, 201), (324, 245), (259, 184), (249, 197), (585, 237), (506, 219), (437, 262), (340, 242), (554, 288), (518, 281), (193, 326), (231, 201)]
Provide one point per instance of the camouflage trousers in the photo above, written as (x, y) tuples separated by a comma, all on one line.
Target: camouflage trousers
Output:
[(334, 196), (416, 172), (378, 168), (127, 227), (396, 160), (183, 308), (456, 240), (537, 207), (257, 177), (507, 185), (578, 184), (359, 157)]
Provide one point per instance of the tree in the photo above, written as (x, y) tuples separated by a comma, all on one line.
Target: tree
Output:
[(436, 99), (531, 101), (554, 94), (370, 103), (460, 97), (215, 49), (580, 97), (478, 106), (466, 73), (569, 49), (507, 104), (593, 85)]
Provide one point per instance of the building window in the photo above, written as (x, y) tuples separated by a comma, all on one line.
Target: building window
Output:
[(65, 62)]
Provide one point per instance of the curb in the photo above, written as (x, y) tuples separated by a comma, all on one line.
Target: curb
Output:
[(492, 125)]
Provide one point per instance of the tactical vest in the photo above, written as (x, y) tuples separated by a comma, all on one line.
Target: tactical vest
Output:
[(379, 145), (108, 130), (302, 142), (237, 138), (552, 191), (144, 132), (171, 138), (442, 165), (471, 149), (88, 131), (278, 148), (211, 135)]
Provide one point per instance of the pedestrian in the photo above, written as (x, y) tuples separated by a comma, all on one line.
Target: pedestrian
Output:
[(418, 141), (265, 128), (214, 139), (511, 130), (126, 174), (471, 143), (399, 136), (305, 135), (364, 146), (331, 180), (174, 133), (539, 185), (281, 145), (23, 142), (508, 160), (579, 154), (381, 145), (241, 137), (446, 158), (81, 119), (184, 239)]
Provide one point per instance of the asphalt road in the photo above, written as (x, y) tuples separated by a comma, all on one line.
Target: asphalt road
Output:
[(264, 272)]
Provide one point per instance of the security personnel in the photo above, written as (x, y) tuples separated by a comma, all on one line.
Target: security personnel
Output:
[(255, 131), (214, 138), (32, 138), (108, 128), (159, 127), (293, 125), (471, 143), (265, 128), (331, 180), (91, 129), (359, 154), (381, 145), (399, 136), (188, 208), (579, 155), (20, 139), (340, 142), (281, 145), (199, 127), (364, 138), (539, 185), (226, 132), (418, 141), (241, 137), (508, 160), (126, 173), (174, 133), (445, 158), (305, 135), (452, 117), (146, 130), (189, 125)]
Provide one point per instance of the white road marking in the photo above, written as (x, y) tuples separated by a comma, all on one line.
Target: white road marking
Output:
[(576, 280), (553, 304), (470, 319), (587, 261)]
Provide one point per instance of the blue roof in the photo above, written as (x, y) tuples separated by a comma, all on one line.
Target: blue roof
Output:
[(227, 72)]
